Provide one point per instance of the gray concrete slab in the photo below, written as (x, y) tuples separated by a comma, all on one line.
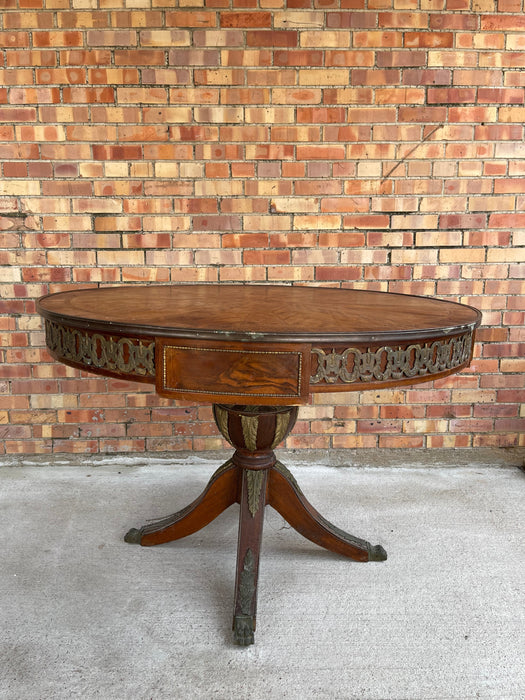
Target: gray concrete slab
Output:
[(85, 615)]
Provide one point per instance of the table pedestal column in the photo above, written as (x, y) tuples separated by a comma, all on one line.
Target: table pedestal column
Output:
[(254, 478)]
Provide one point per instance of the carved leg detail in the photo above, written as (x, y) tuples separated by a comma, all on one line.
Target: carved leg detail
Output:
[(220, 493), (253, 498), (287, 498)]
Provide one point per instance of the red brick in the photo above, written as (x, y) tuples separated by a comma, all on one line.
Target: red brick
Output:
[(226, 37), (344, 204), (460, 221), (136, 18), (81, 57), (139, 57), (119, 37), (422, 114), (47, 76), (195, 57), (451, 95), (366, 221), (501, 95), (278, 39), (320, 152), (27, 57), (320, 115), (323, 274), (506, 220), (429, 40), (195, 18), (56, 38), (498, 132), (14, 40), (401, 58), (476, 77), (306, 57), (246, 19), (124, 76), (502, 22), (220, 76), (89, 95), (112, 153), (430, 76)]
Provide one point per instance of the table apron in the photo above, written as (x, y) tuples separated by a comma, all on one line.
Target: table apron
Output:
[(264, 373)]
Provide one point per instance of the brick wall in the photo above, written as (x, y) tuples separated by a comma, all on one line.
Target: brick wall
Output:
[(368, 143)]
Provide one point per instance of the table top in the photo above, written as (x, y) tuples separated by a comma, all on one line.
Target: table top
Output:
[(272, 343), (273, 313)]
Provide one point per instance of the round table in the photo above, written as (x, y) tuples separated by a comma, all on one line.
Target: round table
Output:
[(257, 353)]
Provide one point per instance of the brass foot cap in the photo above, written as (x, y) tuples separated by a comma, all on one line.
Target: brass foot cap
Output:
[(133, 536), (243, 629), (377, 553)]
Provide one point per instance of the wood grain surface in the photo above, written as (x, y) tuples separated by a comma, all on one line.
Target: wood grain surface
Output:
[(259, 312)]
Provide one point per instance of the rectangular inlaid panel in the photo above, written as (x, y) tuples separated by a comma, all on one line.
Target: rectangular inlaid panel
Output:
[(252, 373)]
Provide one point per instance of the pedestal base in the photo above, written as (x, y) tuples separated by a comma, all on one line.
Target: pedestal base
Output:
[(254, 478)]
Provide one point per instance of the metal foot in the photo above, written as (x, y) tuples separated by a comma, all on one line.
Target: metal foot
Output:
[(133, 536), (377, 553), (243, 630)]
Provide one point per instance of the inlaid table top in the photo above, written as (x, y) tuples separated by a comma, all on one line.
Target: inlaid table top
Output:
[(259, 344)]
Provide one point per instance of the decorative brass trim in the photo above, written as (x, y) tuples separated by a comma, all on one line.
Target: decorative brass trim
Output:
[(250, 424), (254, 482), (244, 620), (282, 421), (247, 583), (354, 365), (221, 416), (125, 355)]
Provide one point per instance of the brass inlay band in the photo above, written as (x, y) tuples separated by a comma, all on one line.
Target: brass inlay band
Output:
[(125, 355), (354, 365)]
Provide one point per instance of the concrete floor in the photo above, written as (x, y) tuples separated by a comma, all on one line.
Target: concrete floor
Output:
[(85, 615)]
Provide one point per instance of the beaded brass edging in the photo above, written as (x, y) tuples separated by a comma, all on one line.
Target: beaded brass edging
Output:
[(354, 365), (126, 355)]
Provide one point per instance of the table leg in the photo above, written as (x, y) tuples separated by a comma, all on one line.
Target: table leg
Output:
[(220, 493), (287, 498), (253, 498)]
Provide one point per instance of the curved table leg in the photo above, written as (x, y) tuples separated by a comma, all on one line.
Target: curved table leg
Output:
[(220, 493), (287, 498)]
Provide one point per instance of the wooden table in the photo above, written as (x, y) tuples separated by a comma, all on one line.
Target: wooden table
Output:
[(257, 353)]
